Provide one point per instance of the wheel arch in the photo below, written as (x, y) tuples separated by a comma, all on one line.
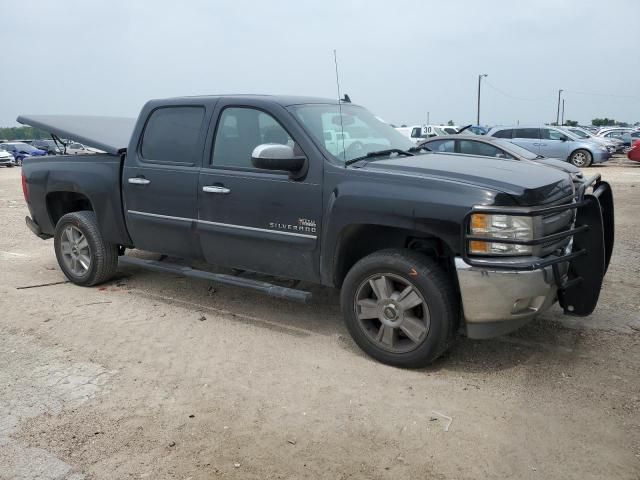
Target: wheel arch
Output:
[(59, 203), (356, 241)]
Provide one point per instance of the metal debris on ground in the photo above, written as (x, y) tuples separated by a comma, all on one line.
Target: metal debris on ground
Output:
[(42, 285)]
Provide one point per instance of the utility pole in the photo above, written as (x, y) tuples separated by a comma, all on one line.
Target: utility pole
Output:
[(479, 83), (428, 118), (558, 114), (562, 116)]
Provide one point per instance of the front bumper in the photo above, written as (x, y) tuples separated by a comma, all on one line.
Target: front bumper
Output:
[(600, 156), (496, 301), (501, 294)]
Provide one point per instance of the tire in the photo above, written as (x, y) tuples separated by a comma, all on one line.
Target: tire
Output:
[(581, 158), (408, 345), (10, 165), (77, 236)]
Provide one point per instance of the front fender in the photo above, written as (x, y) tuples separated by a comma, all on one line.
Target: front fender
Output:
[(429, 209)]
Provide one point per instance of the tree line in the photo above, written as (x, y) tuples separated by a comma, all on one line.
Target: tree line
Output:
[(22, 133)]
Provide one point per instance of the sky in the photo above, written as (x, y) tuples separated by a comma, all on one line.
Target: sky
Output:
[(405, 60)]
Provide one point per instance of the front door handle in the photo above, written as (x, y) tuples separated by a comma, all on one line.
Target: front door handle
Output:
[(536, 144), (216, 189), (139, 181)]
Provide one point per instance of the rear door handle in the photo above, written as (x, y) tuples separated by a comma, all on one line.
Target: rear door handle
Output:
[(139, 181), (216, 189)]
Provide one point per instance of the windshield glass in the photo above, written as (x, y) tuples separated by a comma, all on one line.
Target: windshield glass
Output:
[(450, 130), (363, 132), (579, 133), (517, 150), (23, 147)]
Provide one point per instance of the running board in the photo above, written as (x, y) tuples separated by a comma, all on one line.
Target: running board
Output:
[(263, 287)]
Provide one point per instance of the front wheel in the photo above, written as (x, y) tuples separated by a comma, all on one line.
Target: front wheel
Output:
[(581, 158), (83, 255), (400, 307)]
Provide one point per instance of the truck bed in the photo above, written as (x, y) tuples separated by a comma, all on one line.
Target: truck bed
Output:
[(70, 177)]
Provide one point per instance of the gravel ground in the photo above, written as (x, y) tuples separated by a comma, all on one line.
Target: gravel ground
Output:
[(153, 376)]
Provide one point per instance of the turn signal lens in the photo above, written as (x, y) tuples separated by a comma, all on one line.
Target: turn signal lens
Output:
[(479, 222), (478, 247)]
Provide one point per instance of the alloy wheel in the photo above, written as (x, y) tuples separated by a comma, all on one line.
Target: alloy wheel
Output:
[(76, 253), (392, 312)]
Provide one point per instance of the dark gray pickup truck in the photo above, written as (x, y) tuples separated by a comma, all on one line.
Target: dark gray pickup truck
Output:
[(422, 245)]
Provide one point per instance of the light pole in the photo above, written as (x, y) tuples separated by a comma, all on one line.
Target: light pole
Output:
[(558, 114), (562, 116), (479, 83)]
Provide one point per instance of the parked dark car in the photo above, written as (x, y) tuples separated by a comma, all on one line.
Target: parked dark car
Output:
[(20, 151), (421, 245), (48, 146), (497, 148)]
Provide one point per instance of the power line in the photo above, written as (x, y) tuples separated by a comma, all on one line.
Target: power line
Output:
[(551, 95), (594, 94), (537, 99)]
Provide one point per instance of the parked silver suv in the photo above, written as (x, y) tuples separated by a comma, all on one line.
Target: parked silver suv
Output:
[(555, 143)]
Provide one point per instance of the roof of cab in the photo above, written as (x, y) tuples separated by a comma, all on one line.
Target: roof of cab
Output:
[(284, 100)]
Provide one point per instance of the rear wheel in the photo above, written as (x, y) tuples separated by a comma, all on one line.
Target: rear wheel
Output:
[(581, 158), (84, 257), (400, 307)]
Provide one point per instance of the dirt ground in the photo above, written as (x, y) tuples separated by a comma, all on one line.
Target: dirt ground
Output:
[(153, 376)]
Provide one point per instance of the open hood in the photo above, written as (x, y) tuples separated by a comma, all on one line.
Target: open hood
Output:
[(110, 134)]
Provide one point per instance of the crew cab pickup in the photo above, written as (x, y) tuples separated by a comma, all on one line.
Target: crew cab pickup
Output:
[(422, 245)]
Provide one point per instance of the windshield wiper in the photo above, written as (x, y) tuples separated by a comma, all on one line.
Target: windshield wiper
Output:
[(380, 153), (418, 148)]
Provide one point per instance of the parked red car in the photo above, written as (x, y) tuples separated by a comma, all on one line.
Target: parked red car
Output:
[(634, 153)]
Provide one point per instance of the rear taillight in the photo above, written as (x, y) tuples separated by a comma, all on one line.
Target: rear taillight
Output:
[(25, 188)]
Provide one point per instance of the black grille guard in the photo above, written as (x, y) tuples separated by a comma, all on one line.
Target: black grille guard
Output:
[(588, 260)]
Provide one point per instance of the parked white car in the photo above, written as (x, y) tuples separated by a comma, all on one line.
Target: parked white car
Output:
[(613, 144), (6, 159), (79, 149), (418, 133)]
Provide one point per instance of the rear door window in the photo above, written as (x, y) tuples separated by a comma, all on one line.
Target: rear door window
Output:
[(441, 146), (480, 148), (172, 135), (507, 133), (526, 133)]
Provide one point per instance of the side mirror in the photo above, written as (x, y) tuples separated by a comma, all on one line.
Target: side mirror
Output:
[(273, 156), (563, 139)]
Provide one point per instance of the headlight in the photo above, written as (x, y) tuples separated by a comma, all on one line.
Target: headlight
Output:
[(604, 148), (500, 227)]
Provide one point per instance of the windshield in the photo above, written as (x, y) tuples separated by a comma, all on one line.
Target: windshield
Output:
[(23, 147), (450, 130), (363, 132), (517, 150), (579, 133)]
